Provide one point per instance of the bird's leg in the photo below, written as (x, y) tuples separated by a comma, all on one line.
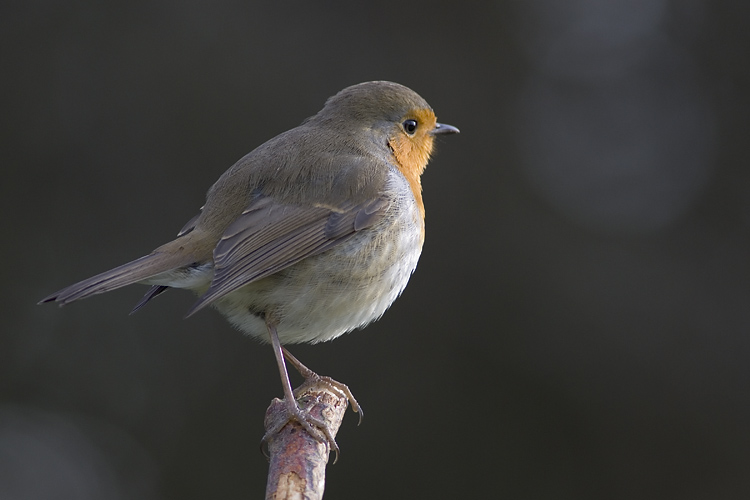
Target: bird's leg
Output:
[(312, 379), (315, 427)]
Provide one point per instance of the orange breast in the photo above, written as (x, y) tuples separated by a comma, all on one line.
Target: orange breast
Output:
[(413, 152)]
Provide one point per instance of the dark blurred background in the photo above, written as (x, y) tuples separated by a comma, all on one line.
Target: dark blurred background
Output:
[(578, 325)]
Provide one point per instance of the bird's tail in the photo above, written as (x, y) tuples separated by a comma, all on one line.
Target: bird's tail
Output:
[(126, 274)]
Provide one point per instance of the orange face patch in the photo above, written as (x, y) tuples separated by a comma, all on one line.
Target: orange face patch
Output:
[(413, 151)]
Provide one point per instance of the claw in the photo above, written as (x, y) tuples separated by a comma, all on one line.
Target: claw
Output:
[(312, 380), (315, 427)]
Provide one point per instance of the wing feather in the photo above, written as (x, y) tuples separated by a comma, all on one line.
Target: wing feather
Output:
[(268, 237)]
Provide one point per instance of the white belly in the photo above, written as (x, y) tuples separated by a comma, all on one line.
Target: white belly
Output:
[(330, 294)]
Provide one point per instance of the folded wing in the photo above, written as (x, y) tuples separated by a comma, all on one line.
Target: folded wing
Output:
[(268, 237)]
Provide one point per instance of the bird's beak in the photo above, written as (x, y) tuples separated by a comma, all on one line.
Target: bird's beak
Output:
[(442, 128)]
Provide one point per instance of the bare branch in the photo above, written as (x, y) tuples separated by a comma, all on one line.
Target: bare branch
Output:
[(298, 460)]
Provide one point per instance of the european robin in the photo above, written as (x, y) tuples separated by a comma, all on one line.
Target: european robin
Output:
[(311, 235)]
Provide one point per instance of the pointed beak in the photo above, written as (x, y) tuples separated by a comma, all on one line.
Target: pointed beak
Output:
[(442, 128)]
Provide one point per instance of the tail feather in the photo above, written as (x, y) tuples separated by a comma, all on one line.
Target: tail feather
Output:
[(152, 292), (126, 274)]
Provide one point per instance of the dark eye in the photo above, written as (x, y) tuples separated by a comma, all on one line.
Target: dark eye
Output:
[(410, 126)]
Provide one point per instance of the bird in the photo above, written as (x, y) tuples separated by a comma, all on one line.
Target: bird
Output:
[(311, 235)]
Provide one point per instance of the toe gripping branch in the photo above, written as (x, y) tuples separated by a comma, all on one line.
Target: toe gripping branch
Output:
[(318, 407)]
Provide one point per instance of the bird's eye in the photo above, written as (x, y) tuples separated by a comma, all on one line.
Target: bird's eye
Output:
[(410, 126)]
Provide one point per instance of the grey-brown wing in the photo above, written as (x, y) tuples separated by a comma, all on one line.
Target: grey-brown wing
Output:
[(268, 237)]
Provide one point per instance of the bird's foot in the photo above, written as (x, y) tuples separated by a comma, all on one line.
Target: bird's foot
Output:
[(315, 381), (285, 412), (318, 408), (311, 408)]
